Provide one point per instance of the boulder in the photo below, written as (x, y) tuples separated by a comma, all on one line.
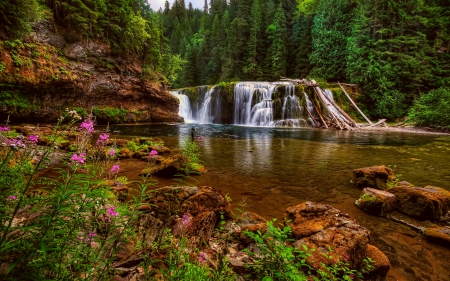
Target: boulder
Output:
[(207, 199), (167, 200), (380, 263), (377, 202), (439, 235), (148, 229), (325, 228), (421, 203), (124, 153), (442, 191), (376, 177), (169, 167), (238, 261), (251, 222), (199, 227), (160, 149)]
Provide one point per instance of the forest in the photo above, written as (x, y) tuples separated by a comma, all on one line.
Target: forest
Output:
[(397, 52)]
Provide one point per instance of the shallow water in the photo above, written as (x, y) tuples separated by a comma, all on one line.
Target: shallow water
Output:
[(274, 168)]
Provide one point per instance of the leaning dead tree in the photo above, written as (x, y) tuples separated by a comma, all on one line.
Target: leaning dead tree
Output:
[(333, 115)]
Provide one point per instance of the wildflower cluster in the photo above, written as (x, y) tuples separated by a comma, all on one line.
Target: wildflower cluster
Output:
[(78, 159), (103, 139), (115, 169), (110, 212), (4, 129), (87, 239), (33, 139), (202, 258), (15, 143), (112, 151), (153, 153), (87, 126)]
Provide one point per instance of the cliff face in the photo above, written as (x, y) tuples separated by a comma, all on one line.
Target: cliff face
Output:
[(44, 73)]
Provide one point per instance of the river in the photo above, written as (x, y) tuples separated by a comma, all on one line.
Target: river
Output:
[(273, 168)]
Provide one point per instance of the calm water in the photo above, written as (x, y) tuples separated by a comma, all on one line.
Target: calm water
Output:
[(274, 168)]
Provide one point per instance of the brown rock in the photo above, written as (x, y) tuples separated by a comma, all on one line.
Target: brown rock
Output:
[(148, 229), (251, 222), (160, 149), (118, 142), (145, 208), (376, 177), (201, 226), (238, 261), (377, 202), (206, 200), (167, 200), (439, 235), (420, 203), (381, 264), (124, 153), (442, 191), (321, 226)]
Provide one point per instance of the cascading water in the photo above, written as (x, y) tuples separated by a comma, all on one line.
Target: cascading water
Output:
[(185, 110), (205, 116), (310, 107)]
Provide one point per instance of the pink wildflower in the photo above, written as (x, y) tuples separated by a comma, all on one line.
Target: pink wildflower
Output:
[(33, 138), (103, 139), (78, 159), (12, 197), (112, 152), (87, 125), (112, 211), (153, 153), (91, 234), (106, 218), (202, 258), (115, 169), (5, 128)]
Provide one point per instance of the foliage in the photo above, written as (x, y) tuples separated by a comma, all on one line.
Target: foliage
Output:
[(18, 15), (71, 228), (432, 108), (16, 102), (2, 66), (191, 151)]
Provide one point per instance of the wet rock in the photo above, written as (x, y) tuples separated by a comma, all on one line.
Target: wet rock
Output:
[(32, 130), (421, 203), (207, 199), (118, 142), (442, 191), (169, 167), (321, 226), (439, 235), (125, 250), (376, 177), (404, 183), (377, 202), (381, 264)]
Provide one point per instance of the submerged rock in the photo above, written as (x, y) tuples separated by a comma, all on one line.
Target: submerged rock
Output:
[(421, 203), (377, 177), (439, 235), (327, 229), (377, 202)]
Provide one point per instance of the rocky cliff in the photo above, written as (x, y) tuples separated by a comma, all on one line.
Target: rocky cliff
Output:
[(46, 72)]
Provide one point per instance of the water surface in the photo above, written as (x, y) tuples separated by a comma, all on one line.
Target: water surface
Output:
[(274, 168)]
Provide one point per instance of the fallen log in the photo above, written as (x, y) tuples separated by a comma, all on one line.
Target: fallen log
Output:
[(312, 117), (378, 123), (354, 104)]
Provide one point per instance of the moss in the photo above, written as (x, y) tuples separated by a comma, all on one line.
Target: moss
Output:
[(16, 102), (111, 114)]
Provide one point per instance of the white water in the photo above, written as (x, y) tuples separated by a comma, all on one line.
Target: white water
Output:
[(185, 110), (205, 116)]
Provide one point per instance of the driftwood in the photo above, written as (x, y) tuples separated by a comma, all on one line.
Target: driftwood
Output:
[(382, 121), (354, 104), (353, 123), (320, 115), (312, 117)]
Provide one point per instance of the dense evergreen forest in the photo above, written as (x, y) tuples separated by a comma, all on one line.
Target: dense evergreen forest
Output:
[(396, 51)]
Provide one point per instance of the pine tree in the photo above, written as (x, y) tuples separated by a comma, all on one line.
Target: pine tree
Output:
[(254, 57), (277, 53)]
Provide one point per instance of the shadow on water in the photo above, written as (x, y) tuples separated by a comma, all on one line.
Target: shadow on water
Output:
[(274, 168)]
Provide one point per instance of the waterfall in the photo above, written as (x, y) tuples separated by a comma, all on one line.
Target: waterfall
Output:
[(310, 107), (253, 103), (205, 116), (185, 110)]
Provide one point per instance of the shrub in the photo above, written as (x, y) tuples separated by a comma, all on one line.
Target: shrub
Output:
[(432, 109)]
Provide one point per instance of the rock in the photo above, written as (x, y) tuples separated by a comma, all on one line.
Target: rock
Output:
[(201, 226), (31, 130), (251, 222), (160, 149), (404, 183), (131, 262), (167, 200), (321, 226), (377, 202), (145, 208), (376, 177), (148, 229), (118, 142), (125, 250), (238, 261), (439, 235), (381, 264), (207, 199), (124, 153), (169, 167), (442, 191), (421, 203), (121, 192)]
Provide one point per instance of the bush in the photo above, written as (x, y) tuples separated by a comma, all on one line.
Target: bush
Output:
[(432, 109)]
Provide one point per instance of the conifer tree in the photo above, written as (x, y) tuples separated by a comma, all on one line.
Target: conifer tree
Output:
[(277, 52)]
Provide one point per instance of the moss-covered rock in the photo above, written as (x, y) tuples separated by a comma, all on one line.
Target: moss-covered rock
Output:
[(421, 203), (377, 202), (439, 235), (377, 177)]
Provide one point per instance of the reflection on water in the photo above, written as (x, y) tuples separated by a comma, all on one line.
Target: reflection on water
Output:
[(274, 168)]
